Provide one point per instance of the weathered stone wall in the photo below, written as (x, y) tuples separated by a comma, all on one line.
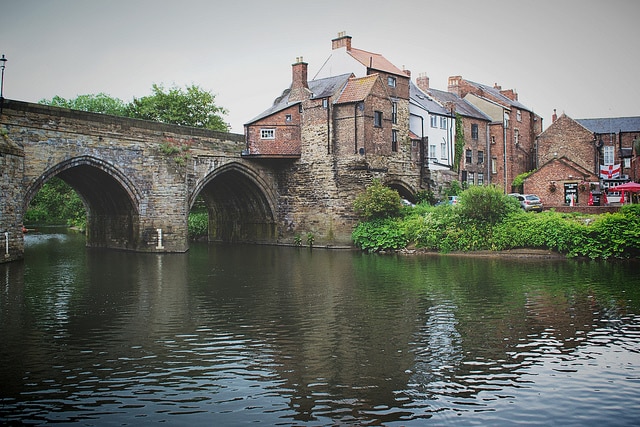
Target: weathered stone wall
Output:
[(11, 168)]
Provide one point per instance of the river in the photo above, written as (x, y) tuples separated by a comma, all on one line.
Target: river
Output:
[(237, 335)]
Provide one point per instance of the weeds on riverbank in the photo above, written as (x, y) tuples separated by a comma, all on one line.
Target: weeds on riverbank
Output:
[(485, 219)]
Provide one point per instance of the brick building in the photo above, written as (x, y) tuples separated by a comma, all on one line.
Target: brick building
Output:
[(512, 129)]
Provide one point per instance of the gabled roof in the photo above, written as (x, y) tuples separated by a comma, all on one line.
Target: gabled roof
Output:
[(499, 96), (568, 163), (423, 100), (612, 124), (357, 89), (320, 88), (463, 107), (375, 61)]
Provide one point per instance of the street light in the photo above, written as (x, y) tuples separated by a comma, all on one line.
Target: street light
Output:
[(3, 62)]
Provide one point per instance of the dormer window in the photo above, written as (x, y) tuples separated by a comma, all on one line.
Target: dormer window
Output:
[(267, 134), (391, 81)]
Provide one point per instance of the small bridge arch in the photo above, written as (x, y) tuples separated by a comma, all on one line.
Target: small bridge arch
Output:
[(405, 190), (241, 204), (110, 198)]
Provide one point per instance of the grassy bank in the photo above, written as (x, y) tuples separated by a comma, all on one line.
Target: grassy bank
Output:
[(487, 220)]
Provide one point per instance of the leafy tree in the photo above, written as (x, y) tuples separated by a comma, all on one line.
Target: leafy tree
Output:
[(190, 107), (56, 203), (486, 204), (100, 103), (378, 201)]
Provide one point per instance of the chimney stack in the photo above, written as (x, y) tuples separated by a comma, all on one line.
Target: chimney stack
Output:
[(454, 85), (423, 82), (299, 85), (554, 117), (343, 40)]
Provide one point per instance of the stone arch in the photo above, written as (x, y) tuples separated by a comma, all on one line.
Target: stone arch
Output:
[(111, 199), (241, 205), (405, 190)]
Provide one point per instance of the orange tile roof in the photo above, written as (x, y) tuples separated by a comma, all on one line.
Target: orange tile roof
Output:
[(375, 61), (357, 89)]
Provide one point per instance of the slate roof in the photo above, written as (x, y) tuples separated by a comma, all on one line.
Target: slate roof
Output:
[(357, 89), (503, 99), (375, 61), (320, 88), (425, 101), (612, 124), (463, 107)]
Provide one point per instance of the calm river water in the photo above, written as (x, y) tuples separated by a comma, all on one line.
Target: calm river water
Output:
[(233, 335)]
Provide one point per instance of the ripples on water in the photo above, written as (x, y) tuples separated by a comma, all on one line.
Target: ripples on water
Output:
[(283, 336)]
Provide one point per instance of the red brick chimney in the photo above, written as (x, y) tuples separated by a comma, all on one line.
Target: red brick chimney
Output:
[(423, 82), (343, 40), (554, 117), (454, 85), (299, 84), (510, 93)]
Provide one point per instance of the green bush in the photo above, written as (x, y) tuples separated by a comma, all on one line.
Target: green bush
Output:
[(485, 204), (378, 202), (198, 225), (380, 234)]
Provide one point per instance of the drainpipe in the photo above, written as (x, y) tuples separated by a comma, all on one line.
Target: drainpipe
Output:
[(504, 157), (355, 128), (489, 157)]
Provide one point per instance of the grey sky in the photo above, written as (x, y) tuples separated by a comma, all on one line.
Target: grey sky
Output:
[(578, 56)]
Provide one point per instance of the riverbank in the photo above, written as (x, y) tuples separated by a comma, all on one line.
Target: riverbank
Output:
[(508, 253)]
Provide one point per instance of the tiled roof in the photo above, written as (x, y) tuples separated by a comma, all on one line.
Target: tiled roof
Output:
[(503, 99), (357, 89), (375, 61), (425, 101), (612, 124), (320, 88), (463, 107)]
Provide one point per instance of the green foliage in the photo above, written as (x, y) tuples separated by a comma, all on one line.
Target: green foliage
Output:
[(378, 201), (459, 143), (485, 203), (310, 239), (425, 197), (518, 181), (100, 103), (198, 225), (380, 234), (56, 203), (191, 107), (453, 190)]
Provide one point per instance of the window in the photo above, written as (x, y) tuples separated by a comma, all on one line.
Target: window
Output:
[(494, 165), (394, 140), (480, 178), (432, 151), (506, 120), (467, 156), (516, 136), (267, 133), (443, 150), (608, 154), (287, 118), (394, 113), (443, 122), (480, 159), (391, 81), (325, 103), (434, 122), (493, 139), (474, 131), (470, 178), (300, 108), (377, 119), (518, 115)]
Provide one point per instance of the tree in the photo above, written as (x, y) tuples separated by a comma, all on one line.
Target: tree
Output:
[(378, 201), (190, 107), (100, 103)]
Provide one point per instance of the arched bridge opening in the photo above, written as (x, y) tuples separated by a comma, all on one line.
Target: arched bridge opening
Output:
[(403, 189), (239, 204), (111, 203)]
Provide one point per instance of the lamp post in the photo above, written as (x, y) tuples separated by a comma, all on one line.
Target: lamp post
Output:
[(3, 62)]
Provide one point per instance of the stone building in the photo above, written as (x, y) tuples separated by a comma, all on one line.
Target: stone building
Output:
[(512, 130), (332, 135), (11, 196)]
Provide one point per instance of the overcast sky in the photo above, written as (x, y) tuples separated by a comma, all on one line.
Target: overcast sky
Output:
[(581, 57)]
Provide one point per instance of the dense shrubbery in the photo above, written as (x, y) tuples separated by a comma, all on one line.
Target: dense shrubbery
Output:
[(485, 219), (378, 202)]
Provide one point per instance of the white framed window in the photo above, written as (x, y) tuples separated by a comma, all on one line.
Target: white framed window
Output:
[(325, 103), (468, 154), (443, 150), (391, 81), (434, 121), (519, 115), (470, 178), (608, 154), (432, 151), (494, 165), (267, 134), (394, 113), (480, 178), (474, 131), (516, 136), (443, 122), (394, 140), (506, 120)]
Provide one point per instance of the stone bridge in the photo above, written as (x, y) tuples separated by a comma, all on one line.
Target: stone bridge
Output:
[(139, 180)]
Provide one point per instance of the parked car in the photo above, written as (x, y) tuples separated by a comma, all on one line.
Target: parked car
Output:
[(451, 200), (528, 202)]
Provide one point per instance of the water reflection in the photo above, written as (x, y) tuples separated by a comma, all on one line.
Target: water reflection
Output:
[(237, 334)]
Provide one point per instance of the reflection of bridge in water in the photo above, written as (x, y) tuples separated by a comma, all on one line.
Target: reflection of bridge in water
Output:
[(139, 180)]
